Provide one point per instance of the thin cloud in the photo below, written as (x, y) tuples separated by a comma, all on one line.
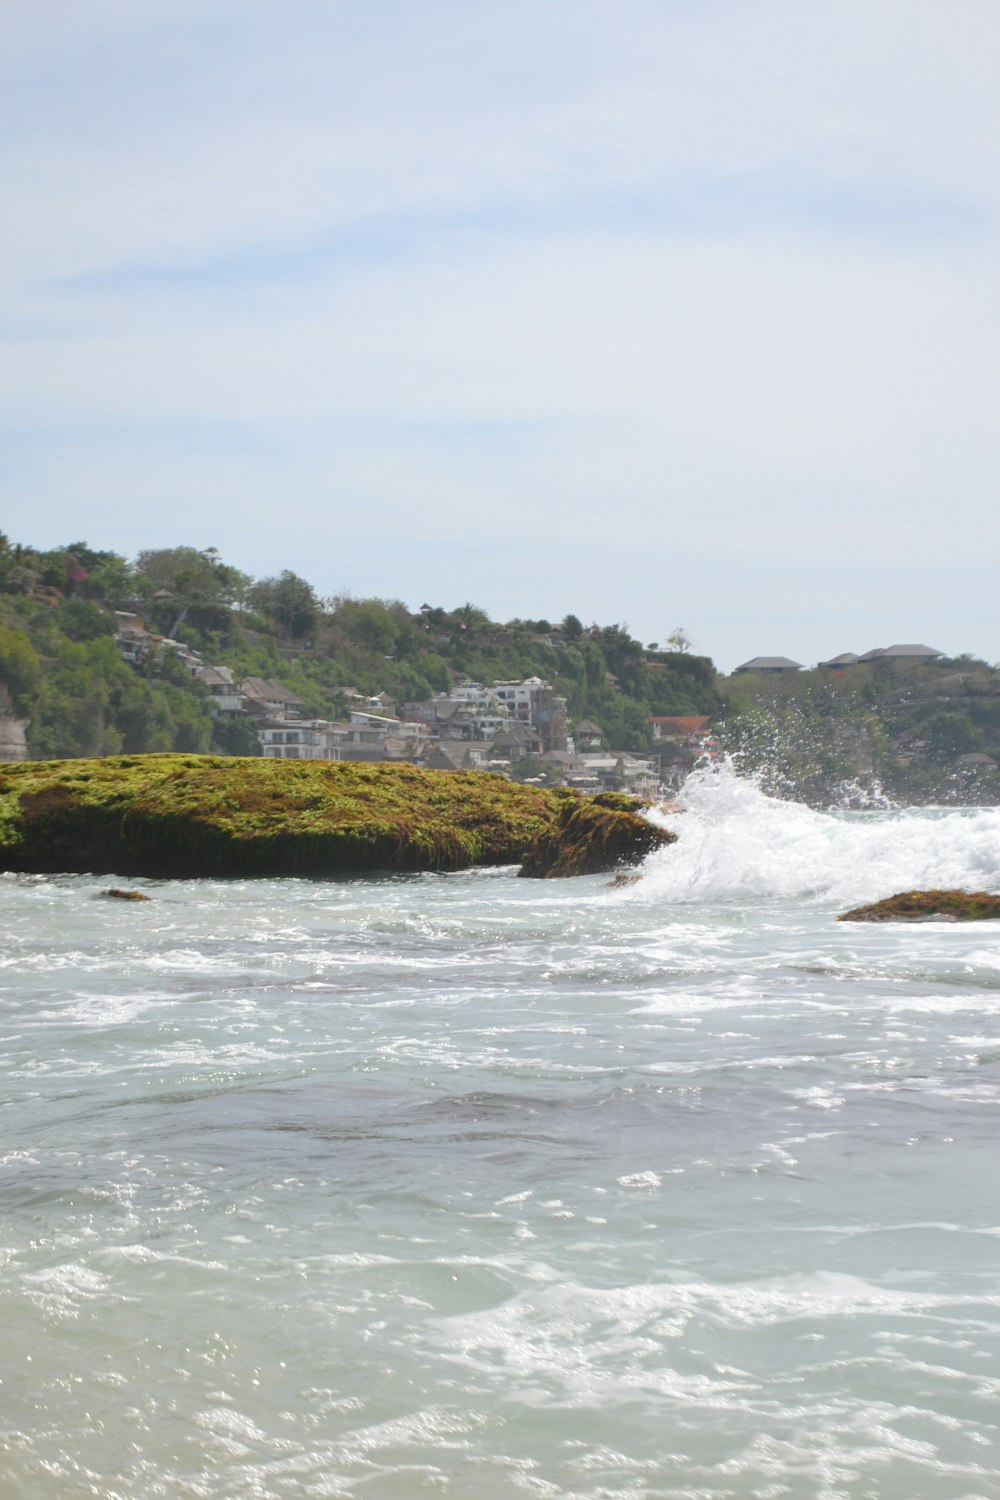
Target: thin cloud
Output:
[(352, 284)]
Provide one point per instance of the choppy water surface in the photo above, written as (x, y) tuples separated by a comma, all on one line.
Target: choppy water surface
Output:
[(480, 1187)]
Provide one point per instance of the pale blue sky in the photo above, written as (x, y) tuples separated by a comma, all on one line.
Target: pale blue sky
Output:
[(665, 313)]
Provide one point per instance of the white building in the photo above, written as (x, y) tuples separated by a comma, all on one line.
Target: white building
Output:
[(488, 713), (303, 739), (536, 703)]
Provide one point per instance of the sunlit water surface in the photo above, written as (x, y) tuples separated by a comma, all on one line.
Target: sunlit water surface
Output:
[(478, 1187)]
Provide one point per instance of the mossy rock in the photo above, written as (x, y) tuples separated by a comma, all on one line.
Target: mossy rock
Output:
[(183, 816), (589, 838), (929, 906), (618, 802)]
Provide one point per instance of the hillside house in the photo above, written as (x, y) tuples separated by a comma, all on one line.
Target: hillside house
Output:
[(224, 695), (267, 699), (444, 717), (131, 637), (838, 663), (306, 739), (488, 712), (368, 727), (535, 702), (769, 664), (446, 757), (904, 653), (589, 736)]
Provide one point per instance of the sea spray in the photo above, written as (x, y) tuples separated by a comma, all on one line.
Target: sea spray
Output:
[(737, 844)]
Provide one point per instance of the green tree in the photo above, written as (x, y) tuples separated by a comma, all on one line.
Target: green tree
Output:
[(950, 733), (199, 584), (20, 666), (288, 601), (83, 620), (233, 734)]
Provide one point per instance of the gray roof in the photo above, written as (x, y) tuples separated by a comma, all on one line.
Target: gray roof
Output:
[(927, 651), (769, 664), (267, 689), (892, 653), (845, 659), (518, 734), (216, 677), (443, 758), (437, 710)]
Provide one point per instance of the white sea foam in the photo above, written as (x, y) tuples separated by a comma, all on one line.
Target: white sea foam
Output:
[(737, 844)]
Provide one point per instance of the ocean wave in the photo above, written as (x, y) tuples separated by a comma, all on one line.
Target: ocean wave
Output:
[(737, 844)]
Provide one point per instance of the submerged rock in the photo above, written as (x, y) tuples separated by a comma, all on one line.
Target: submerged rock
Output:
[(114, 894), (182, 816), (928, 906)]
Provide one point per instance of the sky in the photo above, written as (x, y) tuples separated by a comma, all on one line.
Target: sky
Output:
[(670, 313)]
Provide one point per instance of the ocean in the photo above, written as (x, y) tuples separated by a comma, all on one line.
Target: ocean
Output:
[(476, 1187)]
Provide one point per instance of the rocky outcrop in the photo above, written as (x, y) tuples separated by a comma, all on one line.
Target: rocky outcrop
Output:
[(591, 836), (184, 816), (929, 906), (13, 729)]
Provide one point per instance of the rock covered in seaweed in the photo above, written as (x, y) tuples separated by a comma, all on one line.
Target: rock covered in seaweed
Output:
[(185, 816), (929, 906), (593, 836)]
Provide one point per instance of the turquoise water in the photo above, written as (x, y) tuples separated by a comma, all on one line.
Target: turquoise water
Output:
[(476, 1187)]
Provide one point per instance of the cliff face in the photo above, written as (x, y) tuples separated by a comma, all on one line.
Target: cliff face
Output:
[(13, 730), (187, 816)]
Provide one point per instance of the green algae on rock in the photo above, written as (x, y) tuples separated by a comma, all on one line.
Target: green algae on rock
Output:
[(591, 836), (929, 906), (182, 816)]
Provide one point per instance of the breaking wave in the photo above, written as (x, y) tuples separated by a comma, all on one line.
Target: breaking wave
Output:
[(735, 843)]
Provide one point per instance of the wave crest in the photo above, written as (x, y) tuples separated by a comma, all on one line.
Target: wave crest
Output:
[(735, 843)]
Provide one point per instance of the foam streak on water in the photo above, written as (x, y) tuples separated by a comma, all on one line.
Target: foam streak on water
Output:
[(480, 1187)]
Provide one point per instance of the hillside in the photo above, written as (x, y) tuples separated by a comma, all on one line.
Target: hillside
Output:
[(923, 732), (65, 675)]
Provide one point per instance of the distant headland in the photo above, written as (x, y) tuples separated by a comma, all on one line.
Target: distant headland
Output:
[(178, 651)]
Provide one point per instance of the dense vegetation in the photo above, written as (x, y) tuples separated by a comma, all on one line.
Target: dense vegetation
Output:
[(64, 673), (183, 815)]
